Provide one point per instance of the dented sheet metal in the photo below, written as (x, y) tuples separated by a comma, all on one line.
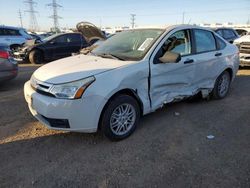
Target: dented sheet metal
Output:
[(170, 81)]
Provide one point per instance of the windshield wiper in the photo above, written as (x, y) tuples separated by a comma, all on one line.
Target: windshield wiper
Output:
[(104, 55)]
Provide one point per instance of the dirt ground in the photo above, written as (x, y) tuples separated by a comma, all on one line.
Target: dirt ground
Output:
[(167, 150)]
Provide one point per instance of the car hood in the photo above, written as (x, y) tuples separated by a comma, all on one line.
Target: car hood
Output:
[(245, 38), (75, 68), (90, 31)]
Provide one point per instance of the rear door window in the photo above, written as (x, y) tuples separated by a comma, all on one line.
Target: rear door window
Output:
[(11, 32), (220, 32), (228, 33), (1, 32), (75, 38), (61, 39), (221, 43), (204, 41)]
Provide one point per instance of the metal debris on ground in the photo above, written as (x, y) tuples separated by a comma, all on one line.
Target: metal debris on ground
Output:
[(210, 137), (177, 113)]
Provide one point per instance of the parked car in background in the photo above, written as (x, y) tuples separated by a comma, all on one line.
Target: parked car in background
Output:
[(59, 45), (14, 37), (227, 33), (51, 48), (35, 36), (243, 44), (129, 75), (8, 66)]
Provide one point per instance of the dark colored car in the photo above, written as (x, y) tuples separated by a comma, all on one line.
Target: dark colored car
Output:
[(51, 48), (60, 45), (8, 66), (227, 33)]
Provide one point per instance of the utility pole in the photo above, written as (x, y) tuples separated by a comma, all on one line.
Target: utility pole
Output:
[(183, 17), (55, 16), (20, 17), (133, 20), (33, 23)]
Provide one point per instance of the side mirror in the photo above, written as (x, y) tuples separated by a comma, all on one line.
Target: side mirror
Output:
[(170, 57)]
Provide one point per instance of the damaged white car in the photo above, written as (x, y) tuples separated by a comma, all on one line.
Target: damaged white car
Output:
[(129, 75)]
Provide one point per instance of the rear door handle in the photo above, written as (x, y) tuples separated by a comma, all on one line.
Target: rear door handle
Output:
[(218, 54), (188, 61)]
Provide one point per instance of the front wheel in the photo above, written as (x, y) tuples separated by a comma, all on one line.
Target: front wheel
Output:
[(222, 85), (36, 57), (120, 117)]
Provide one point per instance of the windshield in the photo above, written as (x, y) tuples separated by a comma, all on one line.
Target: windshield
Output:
[(129, 45)]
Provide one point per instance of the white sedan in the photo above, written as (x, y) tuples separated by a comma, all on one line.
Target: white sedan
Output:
[(129, 75)]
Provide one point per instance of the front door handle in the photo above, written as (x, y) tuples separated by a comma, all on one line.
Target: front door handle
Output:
[(218, 54), (188, 61)]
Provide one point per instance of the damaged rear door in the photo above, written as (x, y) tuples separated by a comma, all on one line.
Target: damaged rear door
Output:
[(173, 80)]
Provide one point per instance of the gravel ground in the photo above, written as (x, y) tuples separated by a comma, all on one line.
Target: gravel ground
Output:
[(168, 149)]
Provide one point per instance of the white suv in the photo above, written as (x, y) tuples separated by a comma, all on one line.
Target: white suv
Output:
[(131, 74), (243, 44), (14, 37)]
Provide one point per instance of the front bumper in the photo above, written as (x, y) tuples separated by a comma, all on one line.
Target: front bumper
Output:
[(19, 56), (80, 115)]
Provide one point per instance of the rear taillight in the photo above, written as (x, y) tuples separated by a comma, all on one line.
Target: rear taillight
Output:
[(4, 54)]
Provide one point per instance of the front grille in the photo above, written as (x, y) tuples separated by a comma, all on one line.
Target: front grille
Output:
[(245, 47), (41, 87), (44, 93), (57, 123)]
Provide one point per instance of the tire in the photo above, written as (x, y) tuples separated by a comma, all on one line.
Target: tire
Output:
[(222, 85), (116, 126), (36, 57)]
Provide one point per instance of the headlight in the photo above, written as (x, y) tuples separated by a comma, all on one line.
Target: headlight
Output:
[(71, 90)]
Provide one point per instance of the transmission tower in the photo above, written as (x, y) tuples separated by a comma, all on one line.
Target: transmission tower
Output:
[(20, 18), (33, 23), (55, 16), (133, 20)]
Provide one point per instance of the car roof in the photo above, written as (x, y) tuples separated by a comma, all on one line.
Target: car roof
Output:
[(177, 26), (11, 27), (61, 34), (217, 28)]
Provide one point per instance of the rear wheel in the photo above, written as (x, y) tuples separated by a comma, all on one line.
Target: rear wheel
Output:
[(36, 57), (222, 85), (120, 117)]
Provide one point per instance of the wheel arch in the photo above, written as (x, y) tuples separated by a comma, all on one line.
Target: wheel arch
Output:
[(126, 91), (230, 71), (35, 48)]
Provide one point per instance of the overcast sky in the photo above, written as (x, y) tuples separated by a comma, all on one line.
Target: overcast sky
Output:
[(117, 13)]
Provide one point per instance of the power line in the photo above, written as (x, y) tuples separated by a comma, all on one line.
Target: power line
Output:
[(183, 17), (133, 20), (55, 16), (20, 17), (33, 22)]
